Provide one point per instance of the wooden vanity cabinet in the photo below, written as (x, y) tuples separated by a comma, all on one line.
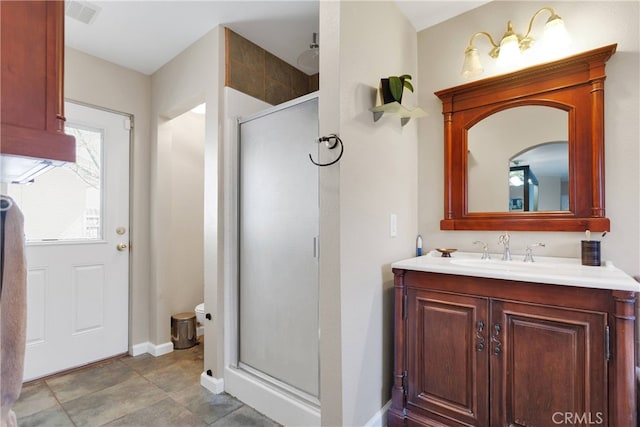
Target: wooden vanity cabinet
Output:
[(32, 101), (472, 351)]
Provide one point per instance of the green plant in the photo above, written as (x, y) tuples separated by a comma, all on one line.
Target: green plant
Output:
[(397, 83)]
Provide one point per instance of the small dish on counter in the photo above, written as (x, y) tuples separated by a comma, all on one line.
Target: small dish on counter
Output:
[(446, 252)]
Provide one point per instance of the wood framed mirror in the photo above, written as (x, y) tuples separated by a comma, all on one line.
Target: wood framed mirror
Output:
[(571, 91)]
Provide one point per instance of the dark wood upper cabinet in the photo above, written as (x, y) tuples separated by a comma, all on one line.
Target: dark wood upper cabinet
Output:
[(575, 85), (32, 99)]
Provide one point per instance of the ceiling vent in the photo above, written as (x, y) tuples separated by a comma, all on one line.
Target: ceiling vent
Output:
[(82, 11)]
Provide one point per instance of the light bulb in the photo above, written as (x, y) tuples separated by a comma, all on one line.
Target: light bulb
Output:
[(556, 38), (309, 60), (509, 55), (472, 66)]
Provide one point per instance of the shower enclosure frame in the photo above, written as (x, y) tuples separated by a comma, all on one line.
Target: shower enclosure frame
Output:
[(235, 366)]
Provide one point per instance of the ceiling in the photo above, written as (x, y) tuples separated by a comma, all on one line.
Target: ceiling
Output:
[(144, 35)]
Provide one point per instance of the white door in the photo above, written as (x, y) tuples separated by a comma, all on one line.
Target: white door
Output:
[(77, 230)]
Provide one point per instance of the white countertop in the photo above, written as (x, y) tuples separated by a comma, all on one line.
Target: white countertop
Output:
[(551, 270)]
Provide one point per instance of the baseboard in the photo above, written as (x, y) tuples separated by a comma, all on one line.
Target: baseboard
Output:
[(379, 419), (214, 385), (160, 349), (138, 349), (152, 349), (200, 330)]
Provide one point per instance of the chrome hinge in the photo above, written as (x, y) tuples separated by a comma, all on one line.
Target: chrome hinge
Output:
[(128, 123), (405, 303), (607, 343)]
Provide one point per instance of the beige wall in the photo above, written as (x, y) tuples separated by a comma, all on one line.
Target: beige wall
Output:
[(186, 280), (157, 272), (377, 176), (495, 140), (192, 77), (386, 169), (439, 68), (96, 82)]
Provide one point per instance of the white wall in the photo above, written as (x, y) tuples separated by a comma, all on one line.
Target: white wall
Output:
[(96, 82), (362, 42), (439, 68)]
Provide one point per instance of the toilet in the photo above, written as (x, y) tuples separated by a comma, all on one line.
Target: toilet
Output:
[(200, 319), (200, 313)]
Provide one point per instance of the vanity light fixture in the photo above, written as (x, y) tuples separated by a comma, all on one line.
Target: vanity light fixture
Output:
[(309, 60), (509, 51)]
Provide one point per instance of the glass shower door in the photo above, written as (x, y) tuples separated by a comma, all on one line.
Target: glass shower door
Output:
[(278, 256)]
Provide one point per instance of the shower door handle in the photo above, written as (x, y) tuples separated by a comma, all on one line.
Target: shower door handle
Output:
[(316, 249)]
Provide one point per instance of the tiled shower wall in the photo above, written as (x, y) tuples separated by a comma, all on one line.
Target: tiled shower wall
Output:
[(254, 71)]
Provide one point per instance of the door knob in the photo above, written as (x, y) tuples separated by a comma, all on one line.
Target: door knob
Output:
[(122, 247)]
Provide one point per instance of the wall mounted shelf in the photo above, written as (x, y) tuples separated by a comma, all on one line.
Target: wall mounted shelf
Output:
[(397, 109)]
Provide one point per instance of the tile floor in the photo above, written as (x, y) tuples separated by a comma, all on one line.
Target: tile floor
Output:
[(135, 392)]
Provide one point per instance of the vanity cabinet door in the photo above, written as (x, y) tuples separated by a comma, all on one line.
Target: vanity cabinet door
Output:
[(447, 358), (548, 366)]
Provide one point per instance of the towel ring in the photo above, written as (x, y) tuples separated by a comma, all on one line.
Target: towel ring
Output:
[(336, 140)]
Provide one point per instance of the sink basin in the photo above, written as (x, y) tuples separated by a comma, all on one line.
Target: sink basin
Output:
[(551, 270), (559, 264), (492, 264)]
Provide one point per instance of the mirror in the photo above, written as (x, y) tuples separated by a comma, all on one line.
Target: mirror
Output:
[(540, 177), (484, 148), (511, 143)]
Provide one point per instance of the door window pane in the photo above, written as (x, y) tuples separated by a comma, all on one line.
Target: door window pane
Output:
[(65, 203)]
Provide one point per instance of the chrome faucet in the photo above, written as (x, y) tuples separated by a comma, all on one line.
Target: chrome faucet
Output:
[(528, 255), (485, 249), (504, 240)]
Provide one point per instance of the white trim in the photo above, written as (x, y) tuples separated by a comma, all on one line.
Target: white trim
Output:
[(283, 386), (214, 385), (160, 349), (280, 107), (281, 407), (379, 419), (200, 330), (152, 349), (138, 349)]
